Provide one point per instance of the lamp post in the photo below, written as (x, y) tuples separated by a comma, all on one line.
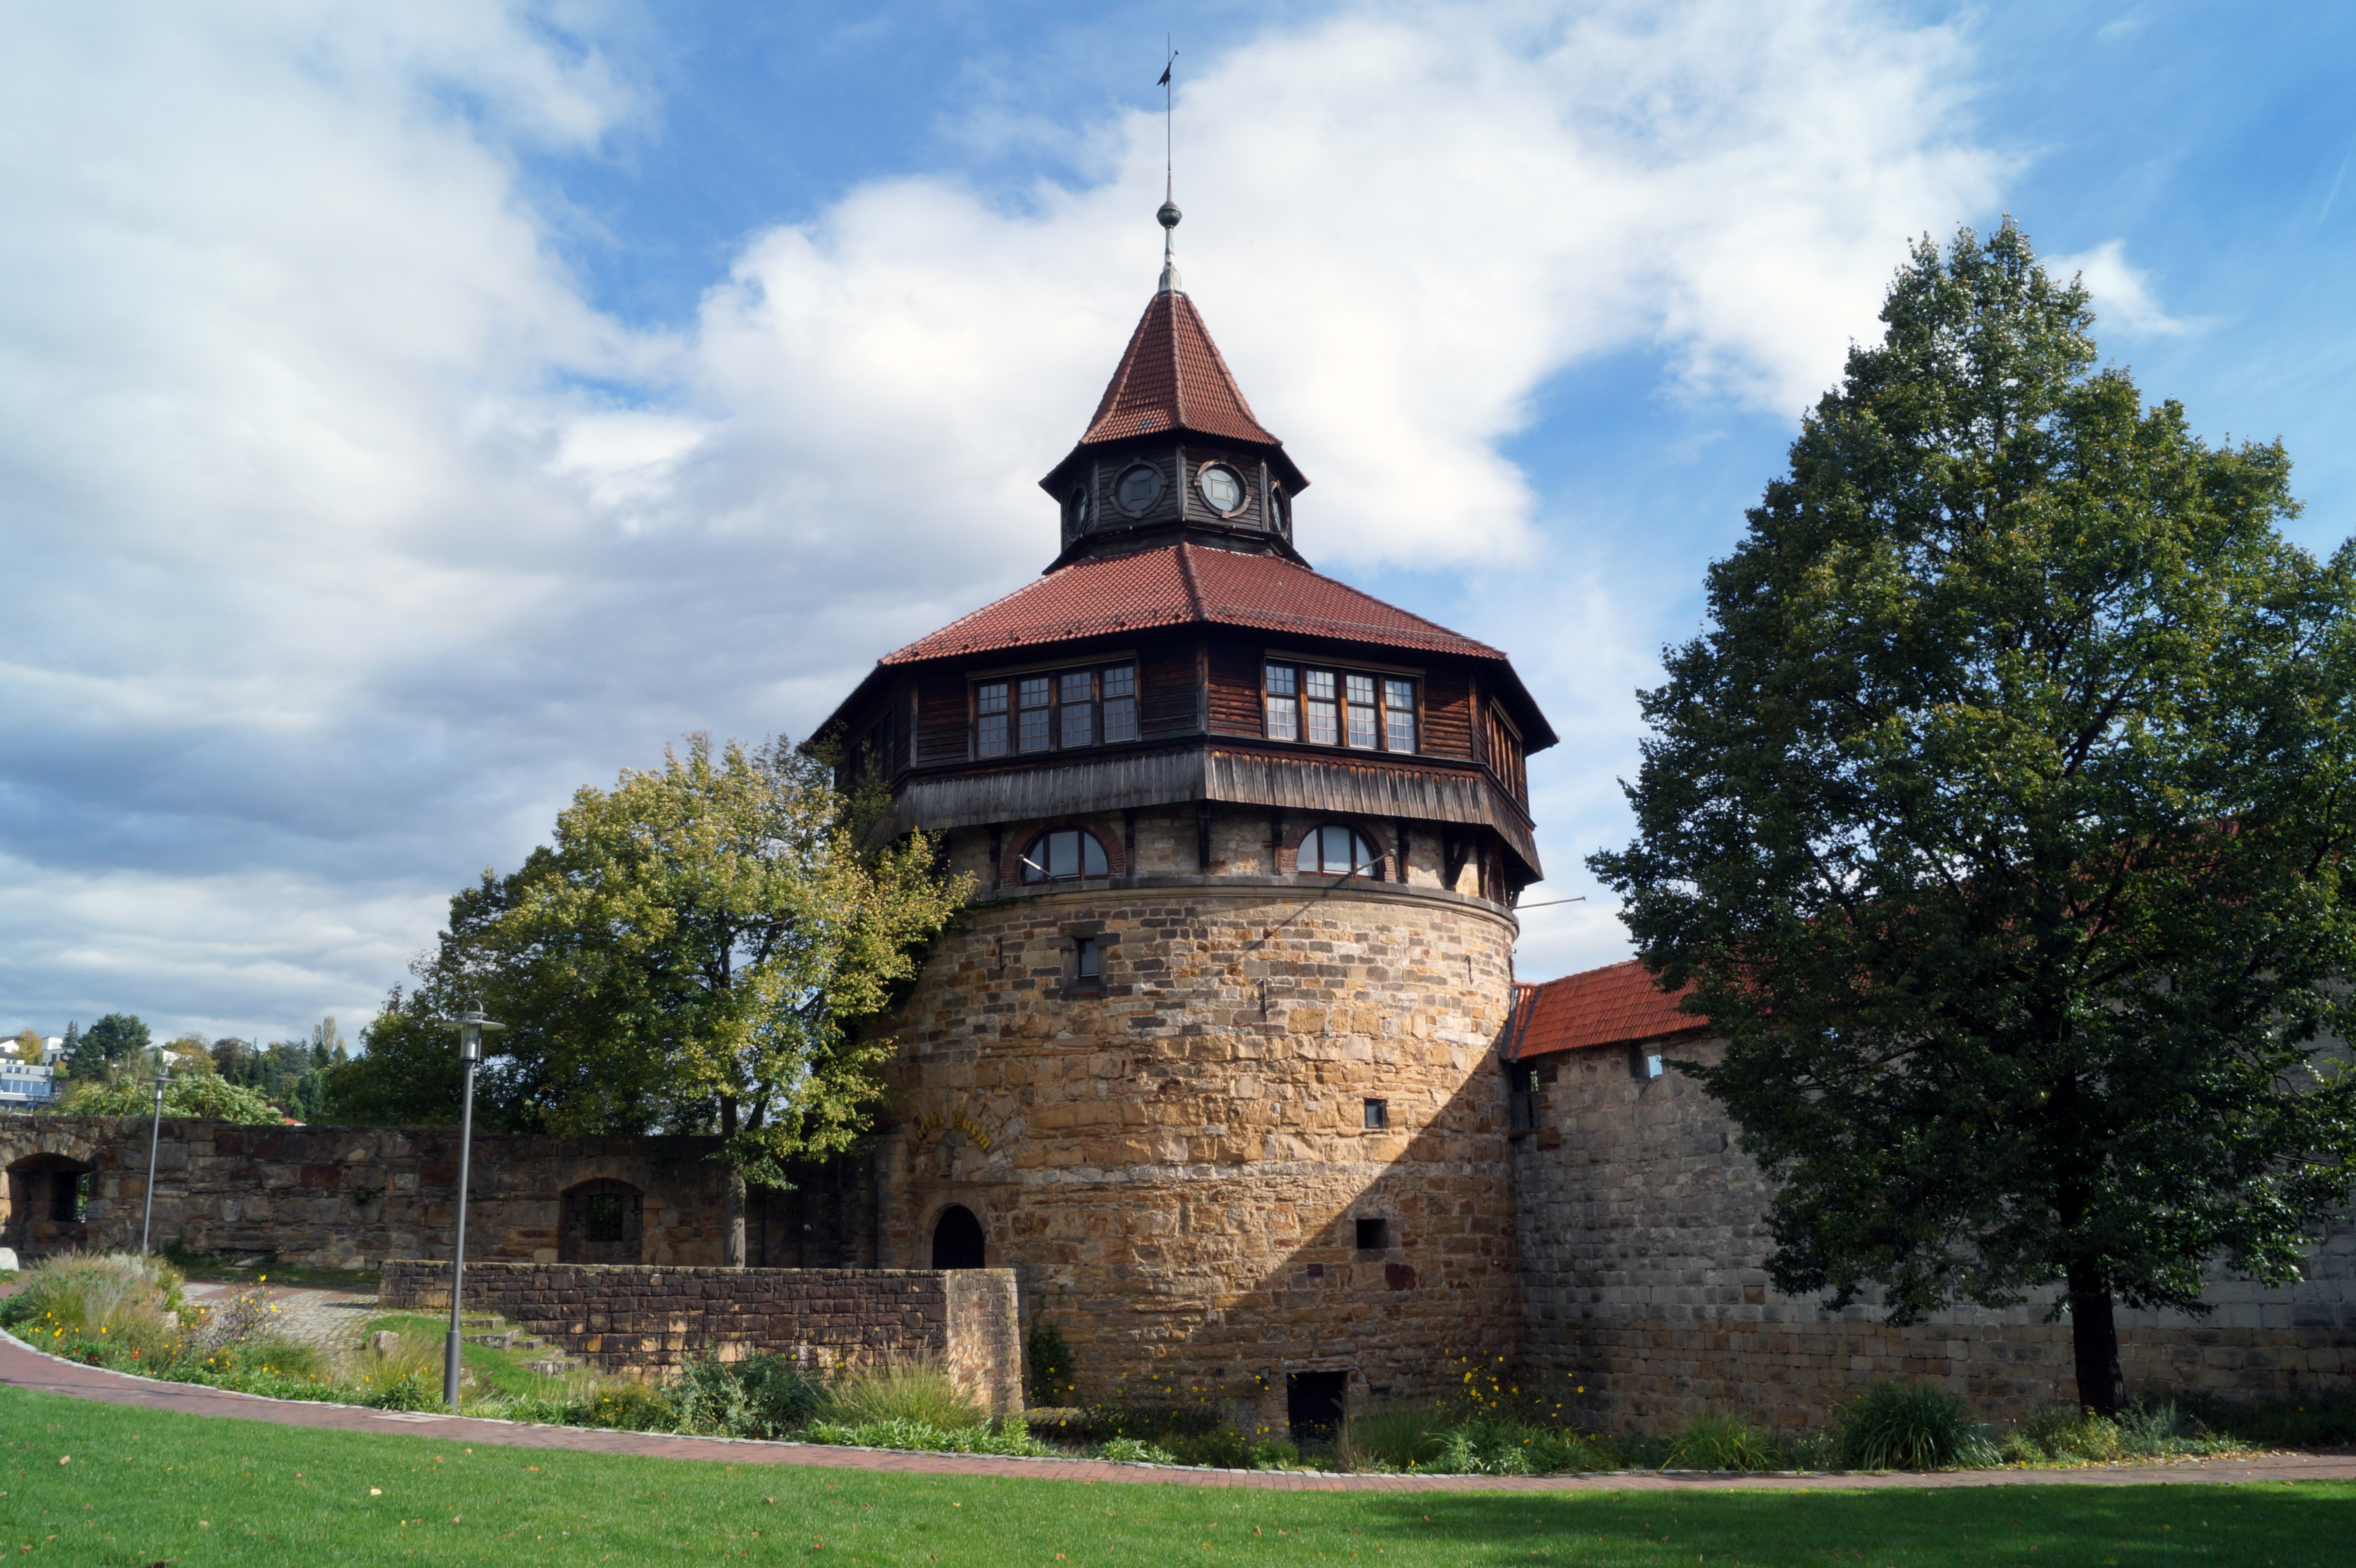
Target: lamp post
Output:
[(470, 1026), (155, 1137)]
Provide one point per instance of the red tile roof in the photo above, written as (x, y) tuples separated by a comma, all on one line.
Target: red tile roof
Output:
[(1616, 1005), (1178, 584), (1172, 377)]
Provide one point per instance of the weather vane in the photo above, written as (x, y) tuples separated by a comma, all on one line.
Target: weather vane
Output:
[(1169, 214)]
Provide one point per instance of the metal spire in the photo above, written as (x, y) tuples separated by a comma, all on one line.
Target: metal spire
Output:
[(1171, 283)]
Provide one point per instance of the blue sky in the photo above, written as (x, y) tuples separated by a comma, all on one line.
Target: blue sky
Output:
[(409, 414)]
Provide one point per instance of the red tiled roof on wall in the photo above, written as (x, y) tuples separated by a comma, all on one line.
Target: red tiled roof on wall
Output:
[(1172, 377), (1616, 1005), (1177, 584)]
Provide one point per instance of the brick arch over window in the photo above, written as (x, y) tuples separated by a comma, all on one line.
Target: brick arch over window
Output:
[(1020, 842), (1335, 849), (604, 1222)]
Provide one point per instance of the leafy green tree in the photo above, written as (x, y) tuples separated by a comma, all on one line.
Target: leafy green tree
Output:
[(2000, 819), (30, 1047), (115, 1037), (705, 947), (204, 1095)]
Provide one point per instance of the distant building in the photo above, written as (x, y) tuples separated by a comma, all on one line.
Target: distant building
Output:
[(25, 1087)]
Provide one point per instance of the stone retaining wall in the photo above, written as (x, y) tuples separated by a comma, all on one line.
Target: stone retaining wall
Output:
[(1643, 1244), (648, 1322)]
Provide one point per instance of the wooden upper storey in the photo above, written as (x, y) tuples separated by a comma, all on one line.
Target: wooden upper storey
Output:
[(1179, 648)]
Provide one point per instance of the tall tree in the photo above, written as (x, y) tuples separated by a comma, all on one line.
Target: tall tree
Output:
[(115, 1037), (705, 947), (2001, 820)]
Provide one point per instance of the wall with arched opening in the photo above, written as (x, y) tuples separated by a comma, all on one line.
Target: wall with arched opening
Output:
[(602, 1221), (958, 1239)]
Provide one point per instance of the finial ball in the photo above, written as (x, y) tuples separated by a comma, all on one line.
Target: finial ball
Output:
[(1169, 214)]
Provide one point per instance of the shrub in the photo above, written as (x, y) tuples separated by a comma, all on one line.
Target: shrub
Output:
[(1046, 1365), (90, 1291), (914, 1390), (287, 1358), (1223, 1448), (1134, 1450), (1275, 1454), (1909, 1427), (1716, 1441), (1008, 1436), (760, 1396), (1396, 1437), (410, 1391)]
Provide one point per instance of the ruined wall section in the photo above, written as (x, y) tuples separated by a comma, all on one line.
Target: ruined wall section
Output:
[(1642, 1241), (649, 1322)]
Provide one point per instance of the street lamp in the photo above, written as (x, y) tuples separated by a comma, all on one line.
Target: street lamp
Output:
[(470, 1026), (154, 1135)]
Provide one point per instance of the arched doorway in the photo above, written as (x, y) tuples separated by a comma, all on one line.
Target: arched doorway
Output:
[(957, 1239), (603, 1224)]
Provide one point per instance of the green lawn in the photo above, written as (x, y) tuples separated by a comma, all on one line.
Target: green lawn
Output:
[(141, 1486)]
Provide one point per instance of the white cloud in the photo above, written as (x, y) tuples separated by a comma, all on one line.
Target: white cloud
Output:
[(2121, 292), (344, 579)]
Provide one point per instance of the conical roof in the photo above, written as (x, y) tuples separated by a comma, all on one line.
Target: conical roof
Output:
[(1172, 378)]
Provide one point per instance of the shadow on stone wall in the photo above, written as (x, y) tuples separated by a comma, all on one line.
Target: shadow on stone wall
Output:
[(1642, 1240)]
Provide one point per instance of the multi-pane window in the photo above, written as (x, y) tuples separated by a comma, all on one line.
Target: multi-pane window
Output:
[(1067, 853), (1034, 707), (1054, 712), (1398, 715), (990, 718), (1337, 708), (1118, 684), (1340, 851), (1283, 704)]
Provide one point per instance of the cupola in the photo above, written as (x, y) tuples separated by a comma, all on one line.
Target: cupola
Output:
[(1174, 451)]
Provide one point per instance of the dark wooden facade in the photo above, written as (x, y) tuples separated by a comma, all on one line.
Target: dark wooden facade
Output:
[(1201, 631)]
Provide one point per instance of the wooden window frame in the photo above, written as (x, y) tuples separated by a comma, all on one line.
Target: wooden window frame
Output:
[(1302, 668), (1055, 676)]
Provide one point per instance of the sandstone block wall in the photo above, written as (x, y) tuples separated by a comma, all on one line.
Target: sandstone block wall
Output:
[(1174, 1159), (1642, 1242), (350, 1197), (649, 1322)]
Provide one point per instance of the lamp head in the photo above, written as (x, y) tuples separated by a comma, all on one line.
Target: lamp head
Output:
[(470, 1026)]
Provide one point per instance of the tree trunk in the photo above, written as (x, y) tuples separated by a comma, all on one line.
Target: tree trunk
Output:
[(732, 1232), (2094, 1340)]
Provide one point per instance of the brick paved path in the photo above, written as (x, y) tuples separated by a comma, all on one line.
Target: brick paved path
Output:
[(24, 1366)]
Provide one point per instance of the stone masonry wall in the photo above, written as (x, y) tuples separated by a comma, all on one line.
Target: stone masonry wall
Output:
[(1642, 1239), (649, 1322), (350, 1197), (1175, 1160)]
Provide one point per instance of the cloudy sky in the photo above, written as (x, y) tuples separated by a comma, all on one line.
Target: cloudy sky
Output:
[(411, 412)]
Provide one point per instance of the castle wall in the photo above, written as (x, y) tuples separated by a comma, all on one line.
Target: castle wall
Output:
[(1642, 1240), (352, 1196), (1175, 1160)]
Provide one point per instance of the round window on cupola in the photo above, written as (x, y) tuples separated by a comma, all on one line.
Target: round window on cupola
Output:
[(1138, 486), (1080, 510), (1221, 488)]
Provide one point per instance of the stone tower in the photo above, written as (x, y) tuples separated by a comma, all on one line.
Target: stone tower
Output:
[(1210, 1061)]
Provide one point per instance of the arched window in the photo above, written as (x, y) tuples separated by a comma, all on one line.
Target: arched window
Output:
[(1335, 851), (957, 1239), (1065, 854)]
